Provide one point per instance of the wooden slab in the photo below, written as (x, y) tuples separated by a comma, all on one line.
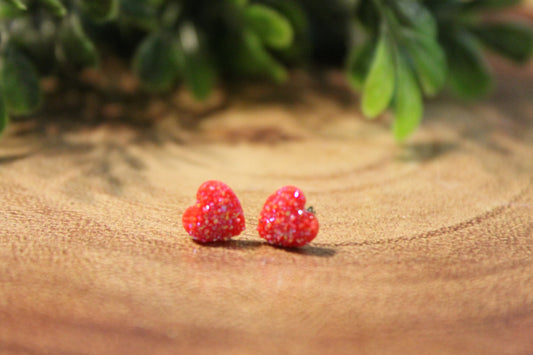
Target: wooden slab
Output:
[(424, 248)]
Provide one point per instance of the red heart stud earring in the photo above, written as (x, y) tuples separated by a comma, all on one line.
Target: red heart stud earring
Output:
[(217, 214), (285, 221)]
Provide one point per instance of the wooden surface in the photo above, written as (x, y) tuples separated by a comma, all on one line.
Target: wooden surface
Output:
[(423, 248)]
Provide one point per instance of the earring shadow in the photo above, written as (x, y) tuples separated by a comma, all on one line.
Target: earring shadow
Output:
[(243, 244), (235, 244), (310, 250)]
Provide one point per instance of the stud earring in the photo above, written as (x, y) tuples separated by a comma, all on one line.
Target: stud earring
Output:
[(285, 221), (217, 214)]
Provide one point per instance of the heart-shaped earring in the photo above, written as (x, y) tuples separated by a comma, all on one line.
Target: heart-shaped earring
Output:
[(285, 221), (217, 214)]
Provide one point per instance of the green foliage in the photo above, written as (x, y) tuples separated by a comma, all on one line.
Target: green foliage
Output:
[(19, 4), (100, 10), (358, 64), (428, 60), (272, 28), (253, 58), (470, 76), (9, 11), (156, 61), (402, 50), (198, 72), (240, 3), (297, 50), (407, 61), (4, 118), (413, 14), (73, 47), (258, 31), (56, 7), (380, 81), (512, 40), (407, 101), (424, 45), (20, 81)]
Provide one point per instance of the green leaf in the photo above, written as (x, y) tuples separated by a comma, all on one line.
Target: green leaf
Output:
[(379, 84), (358, 64), (429, 61), (156, 62), (239, 3), (170, 15), (300, 48), (251, 58), (197, 70), (56, 6), (141, 13), (408, 104), (469, 75), (4, 118), (199, 75), (512, 40), (9, 11), (19, 4), (74, 48), (101, 10), (418, 17), (264, 60), (368, 15), (273, 29), (22, 91)]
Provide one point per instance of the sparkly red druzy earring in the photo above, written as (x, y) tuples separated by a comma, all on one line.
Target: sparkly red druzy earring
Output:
[(217, 214), (285, 221)]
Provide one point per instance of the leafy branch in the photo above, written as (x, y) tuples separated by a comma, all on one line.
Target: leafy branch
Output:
[(402, 50), (420, 46)]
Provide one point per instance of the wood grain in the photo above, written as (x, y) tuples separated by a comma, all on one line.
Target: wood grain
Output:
[(425, 247)]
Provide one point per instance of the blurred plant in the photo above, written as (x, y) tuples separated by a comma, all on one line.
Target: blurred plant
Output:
[(405, 49), (400, 50)]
